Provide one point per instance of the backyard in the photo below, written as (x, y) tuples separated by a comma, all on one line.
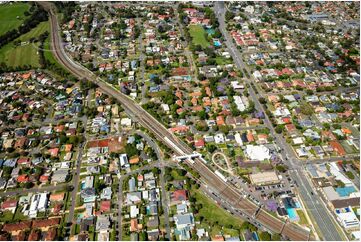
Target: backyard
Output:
[(198, 35)]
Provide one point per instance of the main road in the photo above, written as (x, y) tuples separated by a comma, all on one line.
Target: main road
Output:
[(227, 192), (313, 203)]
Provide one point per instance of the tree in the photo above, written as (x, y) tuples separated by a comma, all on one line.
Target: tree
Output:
[(326, 126), (281, 168), (202, 115), (224, 128), (211, 148), (276, 237), (279, 129), (350, 175), (69, 188), (265, 236), (306, 109), (262, 100), (229, 15)]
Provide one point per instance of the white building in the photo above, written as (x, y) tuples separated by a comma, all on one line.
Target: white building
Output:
[(123, 159), (238, 139), (38, 203), (348, 219), (134, 211), (258, 152), (126, 122)]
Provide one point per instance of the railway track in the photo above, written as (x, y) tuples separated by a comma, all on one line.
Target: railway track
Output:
[(225, 190)]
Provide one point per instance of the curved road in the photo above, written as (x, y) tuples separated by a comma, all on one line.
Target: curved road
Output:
[(227, 192)]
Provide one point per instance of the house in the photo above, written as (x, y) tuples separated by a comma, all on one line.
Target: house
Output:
[(106, 193), (337, 147), (134, 226), (9, 205), (102, 223), (134, 211), (39, 203), (133, 198), (123, 159), (134, 160), (14, 227), (59, 175), (219, 138), (34, 235), (44, 224), (199, 143), (184, 224), (88, 194), (178, 196), (23, 178), (105, 206)]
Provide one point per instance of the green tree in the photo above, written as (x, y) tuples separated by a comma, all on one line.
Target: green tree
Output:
[(279, 129), (211, 148), (264, 236)]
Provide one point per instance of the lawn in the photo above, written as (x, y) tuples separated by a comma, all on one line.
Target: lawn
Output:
[(198, 35), (24, 54), (213, 214), (48, 54), (6, 217), (348, 148), (12, 16), (223, 61), (302, 217)]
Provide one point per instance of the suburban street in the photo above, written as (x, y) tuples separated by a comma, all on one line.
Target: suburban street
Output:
[(320, 213), (225, 190)]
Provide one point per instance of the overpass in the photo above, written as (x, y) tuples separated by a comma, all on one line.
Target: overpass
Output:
[(224, 190)]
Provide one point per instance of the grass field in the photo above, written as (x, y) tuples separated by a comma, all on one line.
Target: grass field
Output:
[(213, 214), (198, 35), (302, 216), (26, 54), (9, 16), (47, 51)]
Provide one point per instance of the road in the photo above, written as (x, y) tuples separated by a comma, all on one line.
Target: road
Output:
[(222, 188), (120, 208), (325, 222), (160, 162), (76, 175)]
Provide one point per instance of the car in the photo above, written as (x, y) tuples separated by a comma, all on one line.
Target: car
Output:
[(311, 193)]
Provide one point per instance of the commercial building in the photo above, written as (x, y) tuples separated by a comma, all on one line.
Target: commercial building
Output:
[(263, 178)]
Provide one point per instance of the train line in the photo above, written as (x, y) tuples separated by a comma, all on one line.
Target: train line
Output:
[(226, 191)]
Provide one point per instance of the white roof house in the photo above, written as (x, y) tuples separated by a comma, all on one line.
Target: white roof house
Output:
[(38, 203), (238, 139), (123, 159), (348, 219), (126, 122), (338, 175), (258, 152), (219, 138), (241, 102), (134, 211)]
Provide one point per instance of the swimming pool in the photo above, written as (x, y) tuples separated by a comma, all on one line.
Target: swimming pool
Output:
[(217, 43), (292, 214), (255, 236), (345, 191), (210, 31)]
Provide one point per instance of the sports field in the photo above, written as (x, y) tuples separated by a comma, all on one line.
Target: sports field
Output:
[(198, 35), (12, 16), (26, 53)]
